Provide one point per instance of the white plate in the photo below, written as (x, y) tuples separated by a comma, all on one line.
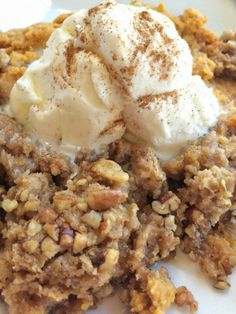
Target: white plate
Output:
[(222, 15)]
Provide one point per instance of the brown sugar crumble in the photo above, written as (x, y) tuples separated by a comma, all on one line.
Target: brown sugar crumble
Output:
[(20, 47), (70, 233)]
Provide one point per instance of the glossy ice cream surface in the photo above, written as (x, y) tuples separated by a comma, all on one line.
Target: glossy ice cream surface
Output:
[(111, 70)]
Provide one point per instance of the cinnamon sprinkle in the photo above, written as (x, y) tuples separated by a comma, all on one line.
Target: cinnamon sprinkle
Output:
[(70, 52), (145, 101), (99, 8), (147, 28), (110, 128)]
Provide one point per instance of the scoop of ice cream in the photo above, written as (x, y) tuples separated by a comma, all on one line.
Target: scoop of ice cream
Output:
[(67, 97), (168, 121), (108, 68), (141, 47)]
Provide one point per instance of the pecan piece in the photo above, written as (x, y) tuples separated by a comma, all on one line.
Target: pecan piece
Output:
[(104, 198), (67, 237), (110, 171)]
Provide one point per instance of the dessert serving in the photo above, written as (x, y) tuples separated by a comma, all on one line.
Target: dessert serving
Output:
[(118, 147)]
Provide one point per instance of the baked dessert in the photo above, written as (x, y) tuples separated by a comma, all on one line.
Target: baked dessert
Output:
[(72, 229)]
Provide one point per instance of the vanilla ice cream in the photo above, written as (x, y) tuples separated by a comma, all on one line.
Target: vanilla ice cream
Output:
[(67, 97), (141, 47), (177, 117), (113, 69)]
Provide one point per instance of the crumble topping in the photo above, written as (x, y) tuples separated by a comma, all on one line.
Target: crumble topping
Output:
[(68, 237), (4, 59), (18, 48)]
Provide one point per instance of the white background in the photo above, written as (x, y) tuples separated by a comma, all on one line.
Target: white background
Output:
[(222, 15)]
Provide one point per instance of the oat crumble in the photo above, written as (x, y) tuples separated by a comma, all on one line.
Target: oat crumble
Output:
[(68, 238)]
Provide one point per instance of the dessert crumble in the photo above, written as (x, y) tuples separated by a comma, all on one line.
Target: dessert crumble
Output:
[(70, 234)]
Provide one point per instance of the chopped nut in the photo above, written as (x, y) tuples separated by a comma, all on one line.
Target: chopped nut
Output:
[(31, 246), (169, 203), (66, 241), (87, 264), (172, 201), (64, 201), (106, 224), (82, 229), (81, 182), (134, 222), (111, 171), (92, 219), (67, 235), (33, 228), (52, 230), (47, 215), (170, 223), (24, 195), (16, 232), (82, 205), (160, 208), (49, 247), (80, 243), (70, 185), (222, 285), (111, 260), (31, 206), (104, 199), (55, 169), (9, 205)]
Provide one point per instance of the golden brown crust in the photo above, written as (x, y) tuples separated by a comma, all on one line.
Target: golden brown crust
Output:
[(150, 292), (22, 46), (184, 297), (58, 242), (68, 232)]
